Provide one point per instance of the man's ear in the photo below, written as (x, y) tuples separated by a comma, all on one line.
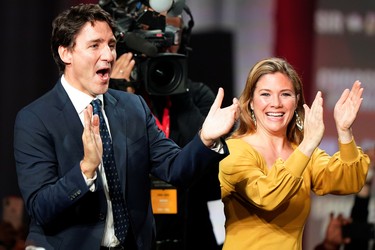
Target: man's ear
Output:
[(65, 54)]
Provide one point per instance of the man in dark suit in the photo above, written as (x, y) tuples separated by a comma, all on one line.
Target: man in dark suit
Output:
[(58, 147)]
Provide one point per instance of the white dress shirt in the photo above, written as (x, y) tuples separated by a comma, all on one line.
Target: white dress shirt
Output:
[(80, 101)]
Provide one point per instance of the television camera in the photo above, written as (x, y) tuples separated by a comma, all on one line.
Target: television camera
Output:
[(143, 31)]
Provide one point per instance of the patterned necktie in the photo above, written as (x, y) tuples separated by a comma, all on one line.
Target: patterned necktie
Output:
[(120, 215)]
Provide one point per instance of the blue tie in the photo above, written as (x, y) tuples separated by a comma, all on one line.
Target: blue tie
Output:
[(120, 215)]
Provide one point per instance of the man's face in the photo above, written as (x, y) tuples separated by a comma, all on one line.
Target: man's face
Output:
[(89, 63)]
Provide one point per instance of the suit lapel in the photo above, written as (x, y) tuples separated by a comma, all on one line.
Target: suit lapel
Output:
[(72, 123)]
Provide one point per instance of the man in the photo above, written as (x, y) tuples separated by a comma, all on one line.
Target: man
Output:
[(58, 146)]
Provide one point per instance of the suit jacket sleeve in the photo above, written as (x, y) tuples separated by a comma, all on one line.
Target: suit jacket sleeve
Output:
[(47, 157), (167, 160)]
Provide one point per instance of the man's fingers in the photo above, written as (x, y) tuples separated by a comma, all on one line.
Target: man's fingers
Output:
[(87, 116), (237, 109), (95, 124), (219, 99)]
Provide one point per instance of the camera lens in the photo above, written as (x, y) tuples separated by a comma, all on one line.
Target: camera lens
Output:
[(163, 73)]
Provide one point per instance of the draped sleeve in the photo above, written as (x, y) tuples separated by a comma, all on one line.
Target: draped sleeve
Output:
[(244, 173), (342, 173)]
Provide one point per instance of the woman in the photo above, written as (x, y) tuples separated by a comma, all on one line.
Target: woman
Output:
[(275, 161)]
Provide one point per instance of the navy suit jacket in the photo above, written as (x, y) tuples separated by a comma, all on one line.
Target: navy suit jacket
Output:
[(48, 149)]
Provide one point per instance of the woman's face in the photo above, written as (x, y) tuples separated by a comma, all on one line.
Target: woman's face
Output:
[(274, 103)]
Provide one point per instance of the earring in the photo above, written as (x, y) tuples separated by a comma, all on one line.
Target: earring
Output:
[(299, 122), (253, 117)]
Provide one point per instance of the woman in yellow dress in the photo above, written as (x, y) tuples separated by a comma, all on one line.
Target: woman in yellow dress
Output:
[(275, 161)]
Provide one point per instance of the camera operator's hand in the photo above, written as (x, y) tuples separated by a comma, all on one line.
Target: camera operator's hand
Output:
[(123, 67), (219, 121)]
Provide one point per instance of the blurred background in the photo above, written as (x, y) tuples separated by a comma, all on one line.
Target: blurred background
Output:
[(329, 42)]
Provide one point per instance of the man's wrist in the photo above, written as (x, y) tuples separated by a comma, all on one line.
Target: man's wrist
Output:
[(208, 143), (85, 170)]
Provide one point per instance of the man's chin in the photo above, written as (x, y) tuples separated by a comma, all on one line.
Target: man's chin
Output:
[(102, 88)]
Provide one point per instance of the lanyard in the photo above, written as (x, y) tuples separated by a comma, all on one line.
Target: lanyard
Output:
[(164, 125)]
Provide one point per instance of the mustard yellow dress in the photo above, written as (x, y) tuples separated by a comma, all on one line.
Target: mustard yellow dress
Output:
[(266, 209)]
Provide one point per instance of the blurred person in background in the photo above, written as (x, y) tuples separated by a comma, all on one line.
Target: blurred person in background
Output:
[(13, 225)]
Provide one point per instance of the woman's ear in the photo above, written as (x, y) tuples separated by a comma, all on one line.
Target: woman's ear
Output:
[(298, 96)]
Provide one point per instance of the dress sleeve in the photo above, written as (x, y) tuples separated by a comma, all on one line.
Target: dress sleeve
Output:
[(343, 173), (244, 173)]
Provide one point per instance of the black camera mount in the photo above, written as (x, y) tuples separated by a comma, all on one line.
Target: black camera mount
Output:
[(144, 33)]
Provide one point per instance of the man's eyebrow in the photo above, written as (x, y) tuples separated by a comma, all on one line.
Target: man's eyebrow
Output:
[(99, 40), (95, 40)]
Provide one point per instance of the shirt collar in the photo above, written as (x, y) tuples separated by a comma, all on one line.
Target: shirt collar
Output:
[(79, 99)]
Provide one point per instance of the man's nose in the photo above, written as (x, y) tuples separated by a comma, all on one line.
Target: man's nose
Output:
[(108, 54)]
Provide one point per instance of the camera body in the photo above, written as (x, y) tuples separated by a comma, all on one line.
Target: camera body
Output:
[(144, 33)]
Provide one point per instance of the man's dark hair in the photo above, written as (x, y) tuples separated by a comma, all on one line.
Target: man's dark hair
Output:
[(69, 23)]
